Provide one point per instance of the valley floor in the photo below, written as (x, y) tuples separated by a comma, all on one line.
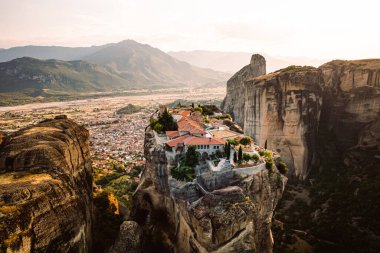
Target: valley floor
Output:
[(116, 140)]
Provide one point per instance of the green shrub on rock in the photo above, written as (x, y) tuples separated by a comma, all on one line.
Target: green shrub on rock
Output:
[(269, 165), (282, 168)]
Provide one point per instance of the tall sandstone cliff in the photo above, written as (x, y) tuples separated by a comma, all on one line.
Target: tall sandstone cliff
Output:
[(290, 107), (46, 189), (234, 103), (282, 109), (351, 98), (325, 124), (234, 218)]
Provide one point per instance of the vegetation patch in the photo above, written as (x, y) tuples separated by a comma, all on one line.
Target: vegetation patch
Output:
[(163, 123), (185, 171), (282, 168)]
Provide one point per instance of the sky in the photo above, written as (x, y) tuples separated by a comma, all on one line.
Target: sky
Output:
[(316, 29)]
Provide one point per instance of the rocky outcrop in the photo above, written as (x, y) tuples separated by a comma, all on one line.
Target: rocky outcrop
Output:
[(46, 189), (129, 239), (236, 218), (234, 101), (326, 119), (290, 108), (2, 137), (233, 126), (283, 109), (351, 98)]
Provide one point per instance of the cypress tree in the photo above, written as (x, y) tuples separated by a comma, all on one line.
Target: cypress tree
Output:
[(225, 148), (240, 154)]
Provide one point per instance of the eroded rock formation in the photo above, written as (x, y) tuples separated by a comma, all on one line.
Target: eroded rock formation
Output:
[(46, 189), (129, 239), (329, 119), (288, 108), (234, 103), (282, 109), (236, 218), (2, 137), (351, 98)]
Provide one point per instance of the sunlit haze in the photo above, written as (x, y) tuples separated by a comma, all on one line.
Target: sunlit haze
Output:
[(318, 29)]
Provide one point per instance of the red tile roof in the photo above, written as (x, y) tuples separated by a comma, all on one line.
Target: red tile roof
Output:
[(184, 113), (176, 141), (172, 134), (194, 140), (191, 126)]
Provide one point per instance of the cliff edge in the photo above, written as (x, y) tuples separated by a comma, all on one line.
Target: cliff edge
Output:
[(234, 103), (324, 122), (235, 217), (46, 189), (294, 108)]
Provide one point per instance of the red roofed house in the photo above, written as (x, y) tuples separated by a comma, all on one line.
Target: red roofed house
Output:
[(191, 127), (184, 113), (203, 145), (172, 134), (179, 114)]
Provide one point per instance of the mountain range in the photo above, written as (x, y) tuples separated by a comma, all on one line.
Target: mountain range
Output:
[(46, 71), (42, 70)]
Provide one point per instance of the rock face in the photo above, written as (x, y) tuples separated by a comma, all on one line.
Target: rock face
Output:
[(283, 109), (351, 98), (129, 239), (2, 137), (290, 107), (328, 119), (46, 189), (234, 102), (236, 218)]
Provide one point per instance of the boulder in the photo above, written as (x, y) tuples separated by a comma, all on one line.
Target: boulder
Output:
[(129, 239), (46, 189)]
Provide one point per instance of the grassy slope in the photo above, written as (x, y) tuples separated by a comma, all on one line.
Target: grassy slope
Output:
[(31, 75)]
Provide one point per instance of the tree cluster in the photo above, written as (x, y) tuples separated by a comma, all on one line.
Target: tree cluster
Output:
[(164, 122)]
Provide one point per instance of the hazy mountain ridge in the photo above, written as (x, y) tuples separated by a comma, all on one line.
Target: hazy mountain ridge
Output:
[(48, 52), (108, 68), (33, 77), (231, 62), (146, 64)]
